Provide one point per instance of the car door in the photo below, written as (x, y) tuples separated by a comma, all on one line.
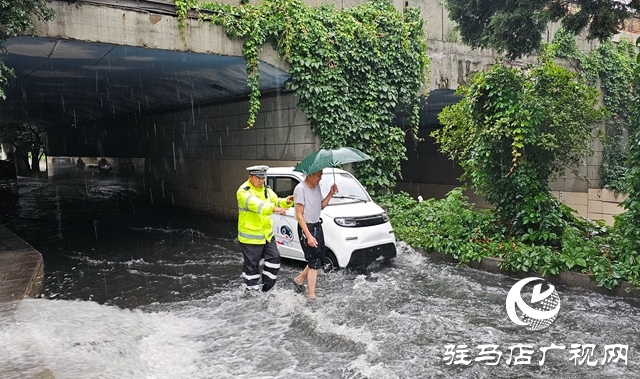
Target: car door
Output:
[(285, 228)]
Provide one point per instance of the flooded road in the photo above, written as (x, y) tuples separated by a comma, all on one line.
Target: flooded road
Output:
[(101, 241), (134, 291)]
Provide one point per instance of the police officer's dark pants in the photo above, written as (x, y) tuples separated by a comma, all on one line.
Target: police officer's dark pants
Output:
[(251, 267)]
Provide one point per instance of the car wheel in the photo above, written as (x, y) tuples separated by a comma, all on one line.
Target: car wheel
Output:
[(330, 263)]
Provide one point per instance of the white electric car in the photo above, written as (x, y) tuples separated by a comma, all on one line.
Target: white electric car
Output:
[(356, 230)]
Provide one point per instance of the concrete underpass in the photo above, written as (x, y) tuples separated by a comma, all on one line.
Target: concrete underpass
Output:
[(116, 79)]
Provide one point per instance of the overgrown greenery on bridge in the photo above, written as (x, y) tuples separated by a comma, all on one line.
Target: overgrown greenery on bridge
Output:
[(611, 67), (351, 69), (514, 27), (513, 131)]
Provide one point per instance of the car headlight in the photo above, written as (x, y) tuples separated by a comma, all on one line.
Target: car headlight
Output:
[(345, 221), (385, 217)]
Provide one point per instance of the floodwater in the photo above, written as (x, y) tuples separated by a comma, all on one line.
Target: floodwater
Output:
[(134, 291)]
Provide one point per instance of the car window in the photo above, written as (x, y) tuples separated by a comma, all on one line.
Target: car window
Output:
[(282, 186), (349, 188)]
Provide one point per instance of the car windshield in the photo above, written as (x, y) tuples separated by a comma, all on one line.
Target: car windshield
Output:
[(350, 189)]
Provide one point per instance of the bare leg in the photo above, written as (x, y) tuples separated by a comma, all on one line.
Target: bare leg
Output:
[(303, 275), (312, 276)]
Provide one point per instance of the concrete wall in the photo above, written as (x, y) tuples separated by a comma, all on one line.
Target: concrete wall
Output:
[(106, 24), (21, 268), (429, 173), (595, 203), (197, 160)]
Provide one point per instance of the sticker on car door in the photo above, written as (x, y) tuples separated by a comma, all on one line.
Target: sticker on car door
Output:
[(284, 234)]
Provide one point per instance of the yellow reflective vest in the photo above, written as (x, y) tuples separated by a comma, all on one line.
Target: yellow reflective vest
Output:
[(255, 206)]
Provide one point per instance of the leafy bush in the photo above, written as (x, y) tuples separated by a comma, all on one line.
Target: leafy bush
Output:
[(449, 225), (452, 225), (513, 132)]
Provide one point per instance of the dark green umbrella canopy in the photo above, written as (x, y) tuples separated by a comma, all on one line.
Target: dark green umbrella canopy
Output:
[(320, 159)]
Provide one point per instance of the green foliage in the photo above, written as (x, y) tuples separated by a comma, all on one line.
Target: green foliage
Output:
[(614, 68), (628, 223), (452, 226), (564, 46), (25, 139), (15, 18), (351, 69), (516, 26), (182, 10), (5, 74), (512, 133), (528, 258), (23, 136), (449, 225), (613, 65)]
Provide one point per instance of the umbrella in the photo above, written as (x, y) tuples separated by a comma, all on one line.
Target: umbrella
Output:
[(320, 159)]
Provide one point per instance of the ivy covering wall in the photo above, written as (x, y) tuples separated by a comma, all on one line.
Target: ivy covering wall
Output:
[(351, 69), (513, 132), (610, 67)]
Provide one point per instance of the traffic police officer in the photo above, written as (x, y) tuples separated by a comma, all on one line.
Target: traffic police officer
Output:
[(256, 203)]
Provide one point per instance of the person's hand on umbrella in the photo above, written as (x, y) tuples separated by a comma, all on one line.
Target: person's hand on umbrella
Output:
[(333, 190)]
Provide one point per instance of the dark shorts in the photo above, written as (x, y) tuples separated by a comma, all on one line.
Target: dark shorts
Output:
[(313, 255)]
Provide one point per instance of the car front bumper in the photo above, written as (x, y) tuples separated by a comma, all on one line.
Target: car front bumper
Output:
[(371, 254)]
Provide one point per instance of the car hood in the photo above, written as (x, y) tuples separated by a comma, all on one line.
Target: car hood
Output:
[(356, 209)]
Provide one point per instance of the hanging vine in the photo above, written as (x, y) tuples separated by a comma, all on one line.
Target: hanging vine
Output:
[(613, 65), (628, 223), (352, 70)]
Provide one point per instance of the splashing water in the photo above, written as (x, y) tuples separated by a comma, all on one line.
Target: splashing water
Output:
[(391, 322), (164, 300)]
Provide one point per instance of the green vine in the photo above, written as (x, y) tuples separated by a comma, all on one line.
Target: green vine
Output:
[(628, 223), (16, 18), (352, 70), (613, 65), (182, 10), (513, 132)]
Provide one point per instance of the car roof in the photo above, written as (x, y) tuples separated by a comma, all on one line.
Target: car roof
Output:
[(289, 170)]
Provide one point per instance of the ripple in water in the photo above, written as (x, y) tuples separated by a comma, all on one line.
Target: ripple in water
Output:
[(392, 321)]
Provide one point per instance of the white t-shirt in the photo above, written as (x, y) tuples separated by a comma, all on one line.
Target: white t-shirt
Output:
[(311, 199)]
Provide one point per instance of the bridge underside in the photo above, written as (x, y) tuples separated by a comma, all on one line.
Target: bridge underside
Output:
[(126, 85), (63, 83), (69, 85), (117, 78)]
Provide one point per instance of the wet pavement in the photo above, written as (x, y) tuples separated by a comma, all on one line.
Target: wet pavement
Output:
[(102, 241), (21, 268), (133, 291)]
